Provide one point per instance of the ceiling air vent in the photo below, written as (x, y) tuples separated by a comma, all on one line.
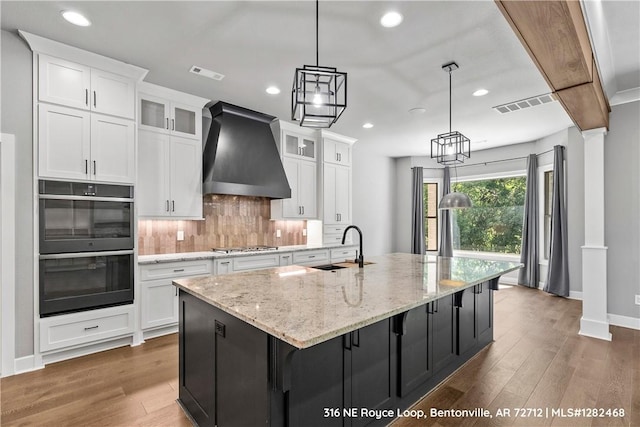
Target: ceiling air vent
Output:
[(206, 73), (525, 103)]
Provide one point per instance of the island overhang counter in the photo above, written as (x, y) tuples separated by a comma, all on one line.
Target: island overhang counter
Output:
[(295, 345)]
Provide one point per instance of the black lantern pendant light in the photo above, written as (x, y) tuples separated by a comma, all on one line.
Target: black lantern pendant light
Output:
[(319, 94), (452, 147)]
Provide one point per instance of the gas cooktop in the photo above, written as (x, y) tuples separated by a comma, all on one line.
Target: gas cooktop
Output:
[(259, 248)]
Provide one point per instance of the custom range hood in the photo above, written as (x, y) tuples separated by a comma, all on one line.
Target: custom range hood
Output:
[(241, 157)]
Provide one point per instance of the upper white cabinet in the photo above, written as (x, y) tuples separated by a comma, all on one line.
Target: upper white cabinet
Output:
[(336, 152), (167, 111), (169, 176), (169, 153), (75, 144), (79, 86), (166, 116), (298, 145), (298, 148)]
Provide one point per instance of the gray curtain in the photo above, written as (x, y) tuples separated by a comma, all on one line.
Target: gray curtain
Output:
[(417, 219), (528, 275), (446, 238), (558, 273)]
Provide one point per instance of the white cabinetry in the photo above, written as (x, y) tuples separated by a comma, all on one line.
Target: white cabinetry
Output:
[(75, 144), (299, 159), (75, 329), (79, 86), (336, 186), (169, 153), (158, 296), (335, 151), (169, 176), (166, 116), (247, 263), (314, 257)]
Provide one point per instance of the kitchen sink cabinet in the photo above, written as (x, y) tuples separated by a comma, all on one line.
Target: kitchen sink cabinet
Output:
[(170, 176), (79, 145), (79, 86)]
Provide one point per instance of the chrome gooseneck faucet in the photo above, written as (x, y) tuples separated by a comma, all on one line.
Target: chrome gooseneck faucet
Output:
[(360, 257)]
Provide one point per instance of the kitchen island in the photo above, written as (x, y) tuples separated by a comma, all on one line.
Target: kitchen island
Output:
[(297, 346)]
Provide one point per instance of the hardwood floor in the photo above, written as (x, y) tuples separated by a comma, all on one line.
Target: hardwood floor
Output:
[(536, 361)]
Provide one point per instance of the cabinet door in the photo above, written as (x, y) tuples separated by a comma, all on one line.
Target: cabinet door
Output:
[(291, 207), (484, 313), (330, 214), (343, 153), (159, 306), (297, 145), (112, 149), (223, 266), (64, 138), (343, 194), (154, 113), (152, 192), (466, 322), (442, 331), (186, 121), (307, 189), (415, 361), (63, 82), (112, 94), (186, 177), (372, 368), (286, 259)]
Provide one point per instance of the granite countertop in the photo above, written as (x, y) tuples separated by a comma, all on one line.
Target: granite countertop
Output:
[(193, 256), (304, 306)]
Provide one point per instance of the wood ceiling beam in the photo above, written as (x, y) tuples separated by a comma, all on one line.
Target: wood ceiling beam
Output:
[(555, 35)]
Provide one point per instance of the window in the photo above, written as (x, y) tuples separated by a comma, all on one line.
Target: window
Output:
[(494, 224), (548, 195), (430, 199)]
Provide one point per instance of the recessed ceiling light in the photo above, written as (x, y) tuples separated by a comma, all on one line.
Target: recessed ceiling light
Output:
[(367, 125), (75, 18), (272, 90), (480, 92), (391, 19), (417, 110)]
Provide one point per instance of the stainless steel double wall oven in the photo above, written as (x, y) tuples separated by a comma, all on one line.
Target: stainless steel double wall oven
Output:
[(86, 246)]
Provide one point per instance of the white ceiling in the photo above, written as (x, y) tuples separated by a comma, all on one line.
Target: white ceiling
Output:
[(257, 44)]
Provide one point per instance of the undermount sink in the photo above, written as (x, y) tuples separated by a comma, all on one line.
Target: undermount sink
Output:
[(329, 267), (340, 265)]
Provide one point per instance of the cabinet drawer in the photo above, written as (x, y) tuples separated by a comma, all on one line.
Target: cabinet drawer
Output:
[(311, 257), (174, 269), (82, 328), (334, 229), (342, 254), (256, 262)]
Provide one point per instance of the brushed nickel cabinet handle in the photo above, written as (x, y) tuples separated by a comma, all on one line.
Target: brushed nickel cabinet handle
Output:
[(86, 97), (173, 124), (94, 168), (167, 208), (94, 99), (86, 166), (91, 327), (173, 206), (167, 123)]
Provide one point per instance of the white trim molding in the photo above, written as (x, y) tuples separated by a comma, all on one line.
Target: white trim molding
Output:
[(8, 262), (624, 321)]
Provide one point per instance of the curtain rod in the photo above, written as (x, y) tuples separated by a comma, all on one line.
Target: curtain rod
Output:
[(494, 161)]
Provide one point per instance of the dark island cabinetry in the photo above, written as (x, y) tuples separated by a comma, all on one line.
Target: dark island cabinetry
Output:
[(233, 374)]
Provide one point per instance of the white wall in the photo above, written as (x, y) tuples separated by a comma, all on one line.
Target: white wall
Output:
[(622, 213), (373, 205), (17, 96)]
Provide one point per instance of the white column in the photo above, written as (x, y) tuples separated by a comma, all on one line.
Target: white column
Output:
[(594, 322)]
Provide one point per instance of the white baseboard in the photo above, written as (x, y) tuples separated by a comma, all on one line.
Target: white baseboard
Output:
[(26, 364), (577, 295), (624, 321), (154, 333)]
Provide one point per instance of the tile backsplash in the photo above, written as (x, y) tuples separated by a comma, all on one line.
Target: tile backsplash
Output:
[(229, 221)]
